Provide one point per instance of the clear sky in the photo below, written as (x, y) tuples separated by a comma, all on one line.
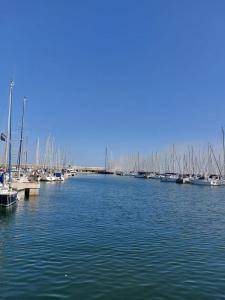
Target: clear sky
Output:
[(135, 75)]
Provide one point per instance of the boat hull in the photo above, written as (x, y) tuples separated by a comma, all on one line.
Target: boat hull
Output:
[(139, 176), (7, 200), (154, 177), (180, 180), (207, 182), (47, 178), (166, 179)]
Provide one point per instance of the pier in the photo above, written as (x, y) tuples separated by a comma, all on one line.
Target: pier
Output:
[(29, 188), (89, 170)]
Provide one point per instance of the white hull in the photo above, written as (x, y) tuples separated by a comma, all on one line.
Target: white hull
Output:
[(208, 182), (47, 178), (186, 180), (59, 178)]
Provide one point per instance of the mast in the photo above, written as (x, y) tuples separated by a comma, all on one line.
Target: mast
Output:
[(217, 164), (9, 135), (52, 155), (21, 138), (209, 168), (192, 160), (46, 156), (64, 160), (173, 159), (58, 159), (37, 153), (178, 163), (223, 152), (106, 159), (189, 161), (138, 162), (26, 153)]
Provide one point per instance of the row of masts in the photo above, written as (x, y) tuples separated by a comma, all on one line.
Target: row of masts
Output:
[(190, 160), (50, 156)]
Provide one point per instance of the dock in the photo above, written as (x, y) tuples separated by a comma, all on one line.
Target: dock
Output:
[(29, 188)]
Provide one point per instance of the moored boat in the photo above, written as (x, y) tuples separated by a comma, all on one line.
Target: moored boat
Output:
[(140, 174), (47, 178), (153, 176), (8, 196), (185, 178), (169, 177), (212, 180), (58, 176), (119, 173)]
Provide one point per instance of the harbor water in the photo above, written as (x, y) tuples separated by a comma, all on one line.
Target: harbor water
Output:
[(112, 237)]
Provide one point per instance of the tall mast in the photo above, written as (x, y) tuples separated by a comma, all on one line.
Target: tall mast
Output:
[(37, 153), (217, 164), (52, 156), (9, 135), (47, 148), (21, 139), (223, 152), (64, 160), (173, 159), (209, 167), (106, 159), (58, 159), (192, 159), (138, 162)]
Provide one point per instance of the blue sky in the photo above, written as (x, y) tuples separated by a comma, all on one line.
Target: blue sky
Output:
[(135, 75)]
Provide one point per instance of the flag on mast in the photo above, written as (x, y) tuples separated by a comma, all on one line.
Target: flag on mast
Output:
[(3, 137)]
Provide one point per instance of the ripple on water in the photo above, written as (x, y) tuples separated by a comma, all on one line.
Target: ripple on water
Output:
[(115, 238)]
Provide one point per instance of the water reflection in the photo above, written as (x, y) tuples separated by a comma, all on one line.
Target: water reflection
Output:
[(7, 213), (114, 238), (33, 203)]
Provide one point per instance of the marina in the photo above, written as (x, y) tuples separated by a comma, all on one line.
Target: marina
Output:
[(203, 167), (112, 150), (147, 241)]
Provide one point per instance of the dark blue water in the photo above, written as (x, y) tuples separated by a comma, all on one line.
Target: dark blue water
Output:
[(96, 237)]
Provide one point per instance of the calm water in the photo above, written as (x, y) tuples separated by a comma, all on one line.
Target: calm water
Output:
[(96, 237)]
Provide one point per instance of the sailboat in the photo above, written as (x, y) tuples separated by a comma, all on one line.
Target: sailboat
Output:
[(8, 196), (171, 176), (47, 170), (213, 179), (139, 174), (21, 177), (58, 173)]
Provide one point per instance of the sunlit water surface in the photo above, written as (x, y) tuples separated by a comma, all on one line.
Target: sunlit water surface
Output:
[(106, 237)]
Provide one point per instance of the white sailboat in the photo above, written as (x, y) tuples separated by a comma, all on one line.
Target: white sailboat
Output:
[(171, 176), (21, 177), (139, 174), (8, 196), (154, 176), (212, 180)]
